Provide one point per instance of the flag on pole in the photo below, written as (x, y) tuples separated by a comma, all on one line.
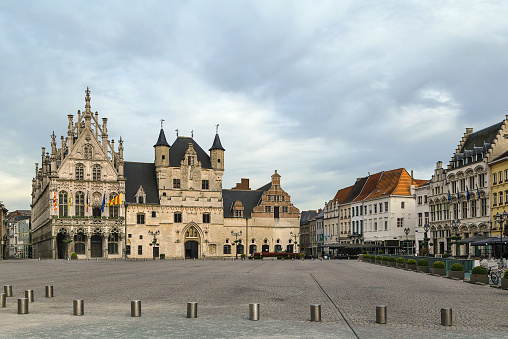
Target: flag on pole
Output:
[(467, 194), (54, 201), (116, 200), (449, 197), (458, 197), (477, 192), (326, 235), (103, 202)]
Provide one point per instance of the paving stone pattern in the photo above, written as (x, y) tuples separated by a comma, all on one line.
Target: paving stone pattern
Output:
[(347, 290)]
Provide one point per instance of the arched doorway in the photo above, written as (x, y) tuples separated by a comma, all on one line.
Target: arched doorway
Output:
[(96, 246), (191, 243), (61, 245)]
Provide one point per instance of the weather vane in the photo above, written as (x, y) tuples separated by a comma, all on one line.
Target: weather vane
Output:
[(162, 120), (176, 130), (217, 129), (192, 133)]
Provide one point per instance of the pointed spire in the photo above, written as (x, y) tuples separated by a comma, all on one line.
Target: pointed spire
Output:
[(216, 143), (162, 139)]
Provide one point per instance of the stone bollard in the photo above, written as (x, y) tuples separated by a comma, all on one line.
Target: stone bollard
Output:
[(49, 291), (78, 307), (22, 306), (136, 308), (192, 310), (315, 312), (254, 311), (29, 294), (446, 316), (2, 300), (381, 314), (8, 290)]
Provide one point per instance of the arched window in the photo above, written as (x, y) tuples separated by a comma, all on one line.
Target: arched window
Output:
[(191, 233), (79, 243), (87, 151), (113, 209), (96, 173), (227, 249), (62, 204), (80, 172), (79, 204), (113, 243)]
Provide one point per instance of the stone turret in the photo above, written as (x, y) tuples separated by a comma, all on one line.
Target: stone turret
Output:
[(217, 153), (161, 151)]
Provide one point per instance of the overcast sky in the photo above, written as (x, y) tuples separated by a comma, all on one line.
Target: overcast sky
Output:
[(322, 91)]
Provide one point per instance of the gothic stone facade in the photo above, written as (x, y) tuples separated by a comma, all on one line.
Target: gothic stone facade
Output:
[(175, 206)]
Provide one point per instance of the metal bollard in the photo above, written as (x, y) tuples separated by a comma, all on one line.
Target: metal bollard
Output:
[(2, 300), (446, 316), (192, 310), (381, 314), (78, 307), (49, 291), (315, 312), (254, 311), (29, 294), (8, 290), (136, 308), (22, 306)]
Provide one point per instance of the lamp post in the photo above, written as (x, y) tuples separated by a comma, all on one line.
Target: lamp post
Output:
[(426, 228), (236, 234), (455, 225), (154, 241), (294, 235), (406, 231), (501, 219)]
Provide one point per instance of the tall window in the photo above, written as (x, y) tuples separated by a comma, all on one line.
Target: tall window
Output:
[(113, 243), (79, 204), (79, 243), (473, 208), (484, 206), (140, 250), (494, 178), (178, 217), (204, 184), (62, 204), (227, 249), (140, 219), (96, 172), (113, 209), (80, 172), (176, 183), (464, 209), (494, 199), (268, 209), (88, 151), (206, 218), (400, 222)]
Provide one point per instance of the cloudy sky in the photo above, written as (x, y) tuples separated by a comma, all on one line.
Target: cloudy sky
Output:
[(322, 91)]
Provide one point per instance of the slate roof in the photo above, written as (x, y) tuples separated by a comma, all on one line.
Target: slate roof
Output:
[(265, 187), (479, 138), (162, 139), (180, 146), (307, 216), (356, 190), (504, 155), (216, 143), (249, 200), (370, 185), (136, 174)]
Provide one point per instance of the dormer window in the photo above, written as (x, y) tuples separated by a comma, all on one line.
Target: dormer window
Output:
[(80, 172), (190, 161), (140, 195), (96, 173), (238, 209)]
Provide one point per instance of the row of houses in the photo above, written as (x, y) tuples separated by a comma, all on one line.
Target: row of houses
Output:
[(392, 211), (15, 233)]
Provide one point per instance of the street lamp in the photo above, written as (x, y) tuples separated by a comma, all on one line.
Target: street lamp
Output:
[(500, 220), (455, 225), (426, 228), (236, 234), (406, 231), (295, 243)]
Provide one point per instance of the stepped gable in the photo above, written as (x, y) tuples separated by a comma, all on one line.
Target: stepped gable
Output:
[(504, 155), (140, 174), (369, 186), (179, 148), (355, 190), (481, 137), (249, 200), (342, 194)]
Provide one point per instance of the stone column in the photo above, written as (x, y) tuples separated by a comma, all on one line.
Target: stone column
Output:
[(123, 245), (53, 246), (88, 245), (106, 245)]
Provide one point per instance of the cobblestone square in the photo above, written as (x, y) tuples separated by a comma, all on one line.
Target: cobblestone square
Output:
[(347, 290)]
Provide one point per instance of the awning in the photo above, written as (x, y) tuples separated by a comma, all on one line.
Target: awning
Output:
[(473, 239), (490, 241)]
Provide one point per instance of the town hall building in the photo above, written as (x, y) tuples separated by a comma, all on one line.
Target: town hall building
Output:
[(87, 200)]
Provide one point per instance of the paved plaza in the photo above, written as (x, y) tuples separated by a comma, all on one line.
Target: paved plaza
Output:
[(347, 290)]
